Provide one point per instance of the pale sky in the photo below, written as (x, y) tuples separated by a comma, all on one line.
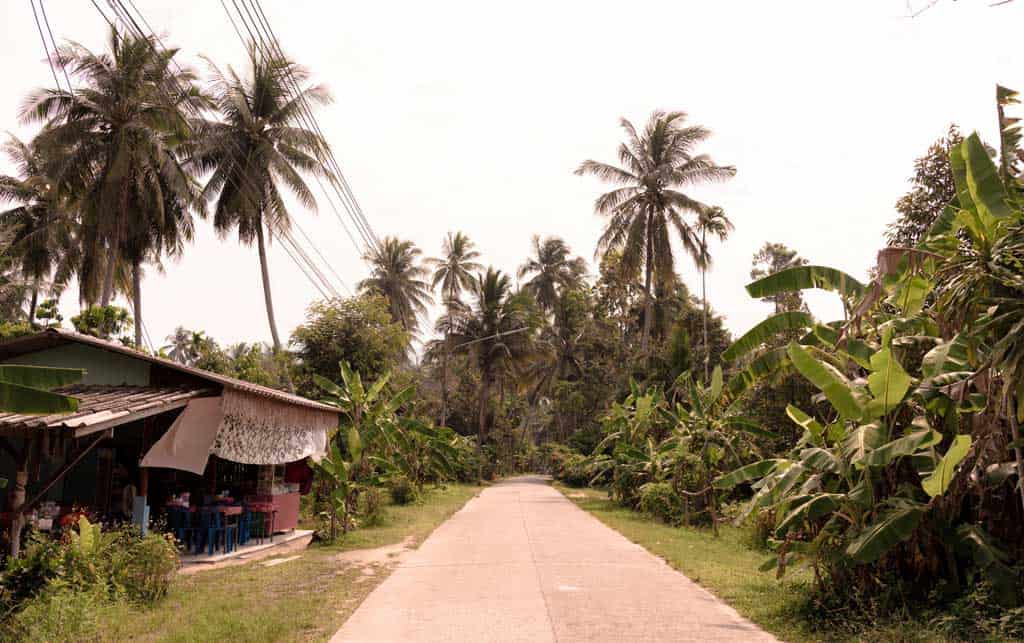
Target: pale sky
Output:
[(472, 116)]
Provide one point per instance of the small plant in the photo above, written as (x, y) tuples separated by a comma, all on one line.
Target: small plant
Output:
[(659, 500), (403, 492)]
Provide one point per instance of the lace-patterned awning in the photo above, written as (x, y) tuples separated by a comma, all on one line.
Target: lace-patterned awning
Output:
[(259, 430), (241, 427)]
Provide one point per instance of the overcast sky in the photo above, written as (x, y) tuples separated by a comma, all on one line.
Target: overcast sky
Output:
[(472, 116)]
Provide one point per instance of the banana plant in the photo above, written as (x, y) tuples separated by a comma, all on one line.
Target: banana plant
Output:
[(28, 389)]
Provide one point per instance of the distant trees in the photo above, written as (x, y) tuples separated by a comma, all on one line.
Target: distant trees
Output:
[(453, 272), (770, 259), (358, 330), (554, 270), (932, 189), (649, 204), (396, 275)]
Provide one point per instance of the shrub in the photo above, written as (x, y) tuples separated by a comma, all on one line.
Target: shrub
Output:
[(659, 500), (403, 491), (373, 507), (145, 566), (63, 612)]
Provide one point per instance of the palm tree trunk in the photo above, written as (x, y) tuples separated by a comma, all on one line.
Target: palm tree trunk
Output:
[(108, 281), (267, 298), (137, 301), (485, 394), (649, 299), (444, 376), (33, 303), (1018, 453), (704, 296)]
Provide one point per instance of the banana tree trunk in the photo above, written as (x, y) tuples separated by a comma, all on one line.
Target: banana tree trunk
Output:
[(137, 301), (1018, 453)]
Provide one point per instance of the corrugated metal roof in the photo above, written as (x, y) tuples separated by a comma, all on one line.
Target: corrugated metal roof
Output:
[(106, 404), (29, 343)]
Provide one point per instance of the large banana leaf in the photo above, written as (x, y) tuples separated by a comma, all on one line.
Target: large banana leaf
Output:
[(766, 330), (987, 191), (763, 366), (808, 509), (41, 377), (893, 526), (22, 399), (862, 441), (803, 277), (747, 473), (24, 389), (888, 383), (828, 380), (809, 424), (937, 483), (900, 447), (946, 357)]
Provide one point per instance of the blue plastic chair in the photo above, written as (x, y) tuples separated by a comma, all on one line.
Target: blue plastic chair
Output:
[(215, 533), (180, 523)]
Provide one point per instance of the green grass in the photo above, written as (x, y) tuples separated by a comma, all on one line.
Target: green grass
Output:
[(729, 568), (301, 600)]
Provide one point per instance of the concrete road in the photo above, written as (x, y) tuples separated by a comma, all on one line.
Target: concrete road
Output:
[(520, 562)]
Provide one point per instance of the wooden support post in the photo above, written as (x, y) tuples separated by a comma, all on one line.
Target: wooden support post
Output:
[(18, 497)]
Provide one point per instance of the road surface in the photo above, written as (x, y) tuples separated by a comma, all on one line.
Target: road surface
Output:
[(520, 562)]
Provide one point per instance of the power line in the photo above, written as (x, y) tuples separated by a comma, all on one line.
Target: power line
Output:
[(124, 16), (305, 116), (60, 59), (339, 174), (262, 26), (46, 47)]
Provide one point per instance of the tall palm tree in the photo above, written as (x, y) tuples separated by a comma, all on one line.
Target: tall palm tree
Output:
[(453, 272), (118, 135), (714, 222), (39, 226), (656, 165), (554, 270), (396, 275), (496, 331), (256, 147)]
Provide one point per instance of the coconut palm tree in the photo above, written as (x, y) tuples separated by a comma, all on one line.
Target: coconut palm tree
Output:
[(185, 345), (657, 165), (39, 226), (554, 270), (118, 136), (396, 275), (711, 221), (496, 331), (256, 148), (453, 272)]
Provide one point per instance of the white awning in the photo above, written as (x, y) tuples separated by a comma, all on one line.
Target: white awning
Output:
[(187, 444)]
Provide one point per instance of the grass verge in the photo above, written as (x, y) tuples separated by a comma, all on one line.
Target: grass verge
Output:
[(299, 600), (729, 568)]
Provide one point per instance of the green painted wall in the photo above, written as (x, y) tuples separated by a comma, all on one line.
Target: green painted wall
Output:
[(103, 367)]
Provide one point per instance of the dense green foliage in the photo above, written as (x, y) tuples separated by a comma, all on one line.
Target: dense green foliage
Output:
[(58, 584)]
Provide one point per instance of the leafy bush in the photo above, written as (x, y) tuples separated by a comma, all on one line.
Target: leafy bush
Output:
[(661, 501), (373, 507), (63, 612), (55, 586), (403, 491), (145, 566)]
